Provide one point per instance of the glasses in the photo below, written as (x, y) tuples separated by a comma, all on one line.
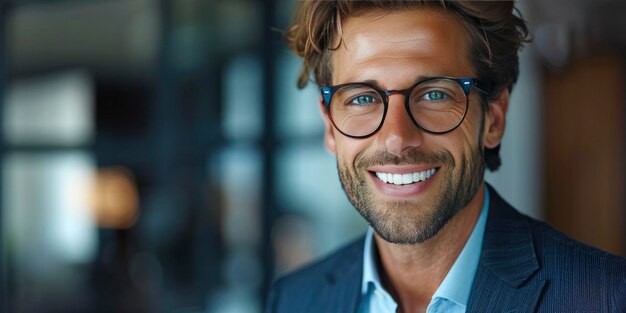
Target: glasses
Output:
[(437, 105)]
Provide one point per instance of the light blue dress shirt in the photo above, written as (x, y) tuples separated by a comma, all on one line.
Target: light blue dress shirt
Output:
[(453, 293)]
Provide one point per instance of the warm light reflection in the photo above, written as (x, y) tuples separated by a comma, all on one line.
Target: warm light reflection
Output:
[(115, 200), (291, 238)]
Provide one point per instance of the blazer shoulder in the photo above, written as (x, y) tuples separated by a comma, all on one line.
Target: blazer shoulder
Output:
[(334, 263), (299, 289), (579, 270), (567, 274), (549, 242), (549, 239)]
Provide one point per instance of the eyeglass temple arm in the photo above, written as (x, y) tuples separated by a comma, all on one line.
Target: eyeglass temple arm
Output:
[(480, 85), (327, 93)]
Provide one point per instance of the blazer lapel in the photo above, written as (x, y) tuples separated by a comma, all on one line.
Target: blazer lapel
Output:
[(507, 262), (342, 289)]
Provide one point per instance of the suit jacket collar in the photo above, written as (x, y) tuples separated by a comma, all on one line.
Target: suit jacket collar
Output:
[(507, 263), (508, 249), (502, 283), (343, 281)]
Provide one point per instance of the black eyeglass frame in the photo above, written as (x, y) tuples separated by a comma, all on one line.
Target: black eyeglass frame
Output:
[(466, 84)]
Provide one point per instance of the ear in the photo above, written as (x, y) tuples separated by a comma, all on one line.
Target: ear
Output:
[(329, 135), (495, 120)]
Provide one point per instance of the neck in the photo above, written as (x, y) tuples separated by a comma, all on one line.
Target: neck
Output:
[(412, 273)]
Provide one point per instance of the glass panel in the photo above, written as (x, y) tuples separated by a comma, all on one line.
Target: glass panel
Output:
[(238, 171), (52, 110), (48, 226), (243, 102), (297, 110), (117, 38), (47, 206)]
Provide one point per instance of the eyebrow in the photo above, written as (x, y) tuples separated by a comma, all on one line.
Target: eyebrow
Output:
[(377, 84)]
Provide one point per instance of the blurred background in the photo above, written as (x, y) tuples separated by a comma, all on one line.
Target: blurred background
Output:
[(156, 156)]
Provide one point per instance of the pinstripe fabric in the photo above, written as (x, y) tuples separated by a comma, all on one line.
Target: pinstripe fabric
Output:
[(526, 266)]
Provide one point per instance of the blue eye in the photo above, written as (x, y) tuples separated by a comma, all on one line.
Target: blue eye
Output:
[(363, 99), (435, 95)]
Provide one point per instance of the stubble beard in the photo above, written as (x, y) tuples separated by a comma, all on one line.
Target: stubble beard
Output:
[(404, 221)]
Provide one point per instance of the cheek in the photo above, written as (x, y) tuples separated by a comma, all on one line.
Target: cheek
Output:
[(466, 138), (348, 149), (472, 126)]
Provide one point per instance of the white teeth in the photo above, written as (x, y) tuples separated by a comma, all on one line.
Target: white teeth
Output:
[(386, 177), (382, 176), (405, 179), (397, 179)]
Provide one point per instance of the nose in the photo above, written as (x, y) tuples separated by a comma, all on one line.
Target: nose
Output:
[(398, 133)]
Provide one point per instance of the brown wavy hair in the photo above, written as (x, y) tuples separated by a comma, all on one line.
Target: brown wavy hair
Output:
[(496, 31)]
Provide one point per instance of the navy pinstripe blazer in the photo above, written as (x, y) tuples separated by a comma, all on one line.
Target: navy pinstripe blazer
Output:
[(525, 266)]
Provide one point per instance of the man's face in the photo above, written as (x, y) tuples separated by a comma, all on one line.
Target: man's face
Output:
[(395, 50)]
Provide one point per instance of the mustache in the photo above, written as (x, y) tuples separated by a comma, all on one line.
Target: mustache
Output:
[(411, 157)]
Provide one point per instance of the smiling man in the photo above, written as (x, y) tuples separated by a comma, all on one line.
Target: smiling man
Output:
[(414, 96)]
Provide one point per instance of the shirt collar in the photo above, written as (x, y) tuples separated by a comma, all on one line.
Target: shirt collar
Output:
[(370, 270), (457, 284)]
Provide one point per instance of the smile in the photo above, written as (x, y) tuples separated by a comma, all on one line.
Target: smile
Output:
[(405, 179)]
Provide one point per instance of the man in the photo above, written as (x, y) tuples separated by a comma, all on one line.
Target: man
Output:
[(414, 96)]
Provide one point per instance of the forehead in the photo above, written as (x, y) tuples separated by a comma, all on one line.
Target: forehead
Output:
[(419, 42)]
